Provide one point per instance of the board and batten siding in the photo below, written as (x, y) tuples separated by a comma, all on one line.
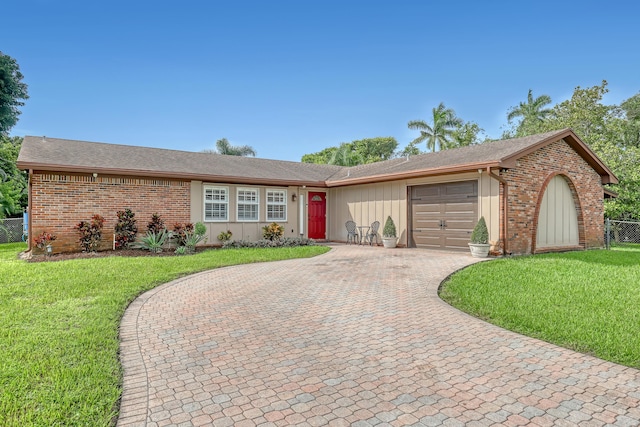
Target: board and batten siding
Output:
[(367, 203), (558, 218), (252, 230)]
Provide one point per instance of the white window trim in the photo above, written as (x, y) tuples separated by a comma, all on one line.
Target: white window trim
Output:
[(256, 203), (225, 202), (284, 203)]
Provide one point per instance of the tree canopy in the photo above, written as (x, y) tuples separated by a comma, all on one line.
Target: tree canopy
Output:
[(224, 147), (446, 131), (12, 93), (362, 151), (612, 132), (437, 135), (531, 112), (13, 182)]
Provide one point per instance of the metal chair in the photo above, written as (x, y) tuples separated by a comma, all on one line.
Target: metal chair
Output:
[(373, 233), (352, 234)]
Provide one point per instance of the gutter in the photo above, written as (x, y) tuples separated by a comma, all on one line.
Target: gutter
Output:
[(505, 210)]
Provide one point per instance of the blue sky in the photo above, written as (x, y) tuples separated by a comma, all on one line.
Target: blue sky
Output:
[(295, 77)]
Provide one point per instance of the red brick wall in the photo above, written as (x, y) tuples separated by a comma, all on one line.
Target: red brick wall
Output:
[(527, 182), (60, 201)]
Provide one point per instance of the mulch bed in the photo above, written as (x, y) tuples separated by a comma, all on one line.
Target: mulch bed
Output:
[(89, 255)]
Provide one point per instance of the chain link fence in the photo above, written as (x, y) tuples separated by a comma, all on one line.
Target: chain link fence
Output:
[(622, 233), (11, 230)]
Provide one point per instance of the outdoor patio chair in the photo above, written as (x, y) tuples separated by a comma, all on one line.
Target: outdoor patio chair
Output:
[(352, 234), (373, 233)]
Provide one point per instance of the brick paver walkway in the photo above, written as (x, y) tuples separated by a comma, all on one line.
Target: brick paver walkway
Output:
[(354, 337)]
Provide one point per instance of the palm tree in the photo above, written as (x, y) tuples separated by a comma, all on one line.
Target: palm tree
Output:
[(436, 136), (345, 155), (532, 113), (224, 147)]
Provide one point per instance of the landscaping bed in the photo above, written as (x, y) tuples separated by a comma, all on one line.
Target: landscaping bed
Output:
[(102, 254)]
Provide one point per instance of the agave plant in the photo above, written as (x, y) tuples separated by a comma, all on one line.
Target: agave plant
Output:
[(154, 241)]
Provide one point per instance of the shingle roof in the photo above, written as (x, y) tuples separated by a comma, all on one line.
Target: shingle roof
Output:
[(45, 153), (54, 154)]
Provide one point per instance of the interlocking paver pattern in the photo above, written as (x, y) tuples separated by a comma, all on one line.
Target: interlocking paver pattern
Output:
[(354, 337)]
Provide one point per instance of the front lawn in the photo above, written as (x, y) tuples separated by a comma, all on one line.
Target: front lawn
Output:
[(59, 328), (586, 301)]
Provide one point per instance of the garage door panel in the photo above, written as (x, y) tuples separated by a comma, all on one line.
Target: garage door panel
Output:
[(427, 240), (443, 215), (426, 191), (456, 189)]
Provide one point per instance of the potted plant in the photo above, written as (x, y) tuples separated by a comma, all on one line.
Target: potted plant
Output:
[(43, 242), (389, 238), (479, 245)]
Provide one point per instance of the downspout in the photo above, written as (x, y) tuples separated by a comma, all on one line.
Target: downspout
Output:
[(505, 198), (29, 203)]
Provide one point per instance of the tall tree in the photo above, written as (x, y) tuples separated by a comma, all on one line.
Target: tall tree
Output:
[(12, 92), (532, 113), (608, 130), (361, 151), (468, 133), (321, 157), (224, 147), (13, 182), (438, 135), (346, 155), (631, 110)]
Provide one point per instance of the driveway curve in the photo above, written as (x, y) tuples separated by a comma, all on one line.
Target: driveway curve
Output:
[(357, 336)]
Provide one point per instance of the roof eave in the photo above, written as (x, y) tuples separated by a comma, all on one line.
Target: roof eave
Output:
[(169, 175), (448, 170)]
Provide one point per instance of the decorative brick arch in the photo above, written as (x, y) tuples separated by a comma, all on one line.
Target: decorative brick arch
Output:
[(576, 202)]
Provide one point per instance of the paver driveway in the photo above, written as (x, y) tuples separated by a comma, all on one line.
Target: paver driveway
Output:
[(354, 337)]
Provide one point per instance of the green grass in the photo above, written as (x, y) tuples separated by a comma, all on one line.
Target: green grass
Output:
[(59, 328), (634, 247), (586, 301)]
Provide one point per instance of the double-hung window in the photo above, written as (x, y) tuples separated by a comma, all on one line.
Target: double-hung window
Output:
[(216, 203), (276, 205), (248, 204)]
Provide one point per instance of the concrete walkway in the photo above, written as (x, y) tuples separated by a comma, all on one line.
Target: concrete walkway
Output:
[(357, 337)]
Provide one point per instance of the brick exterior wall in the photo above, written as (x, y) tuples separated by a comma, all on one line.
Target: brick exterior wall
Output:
[(60, 201), (527, 182)]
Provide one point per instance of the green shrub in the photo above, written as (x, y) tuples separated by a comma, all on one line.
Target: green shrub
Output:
[(389, 229), (287, 242), (480, 234)]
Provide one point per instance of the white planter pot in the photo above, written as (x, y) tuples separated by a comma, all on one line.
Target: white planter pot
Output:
[(389, 242), (479, 250)]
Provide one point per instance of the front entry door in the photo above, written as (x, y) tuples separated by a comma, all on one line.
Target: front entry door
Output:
[(317, 209)]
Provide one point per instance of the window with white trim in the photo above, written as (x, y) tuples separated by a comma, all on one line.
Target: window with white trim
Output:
[(248, 208), (276, 205), (216, 203)]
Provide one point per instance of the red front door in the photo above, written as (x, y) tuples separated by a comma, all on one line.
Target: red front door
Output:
[(317, 209)]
